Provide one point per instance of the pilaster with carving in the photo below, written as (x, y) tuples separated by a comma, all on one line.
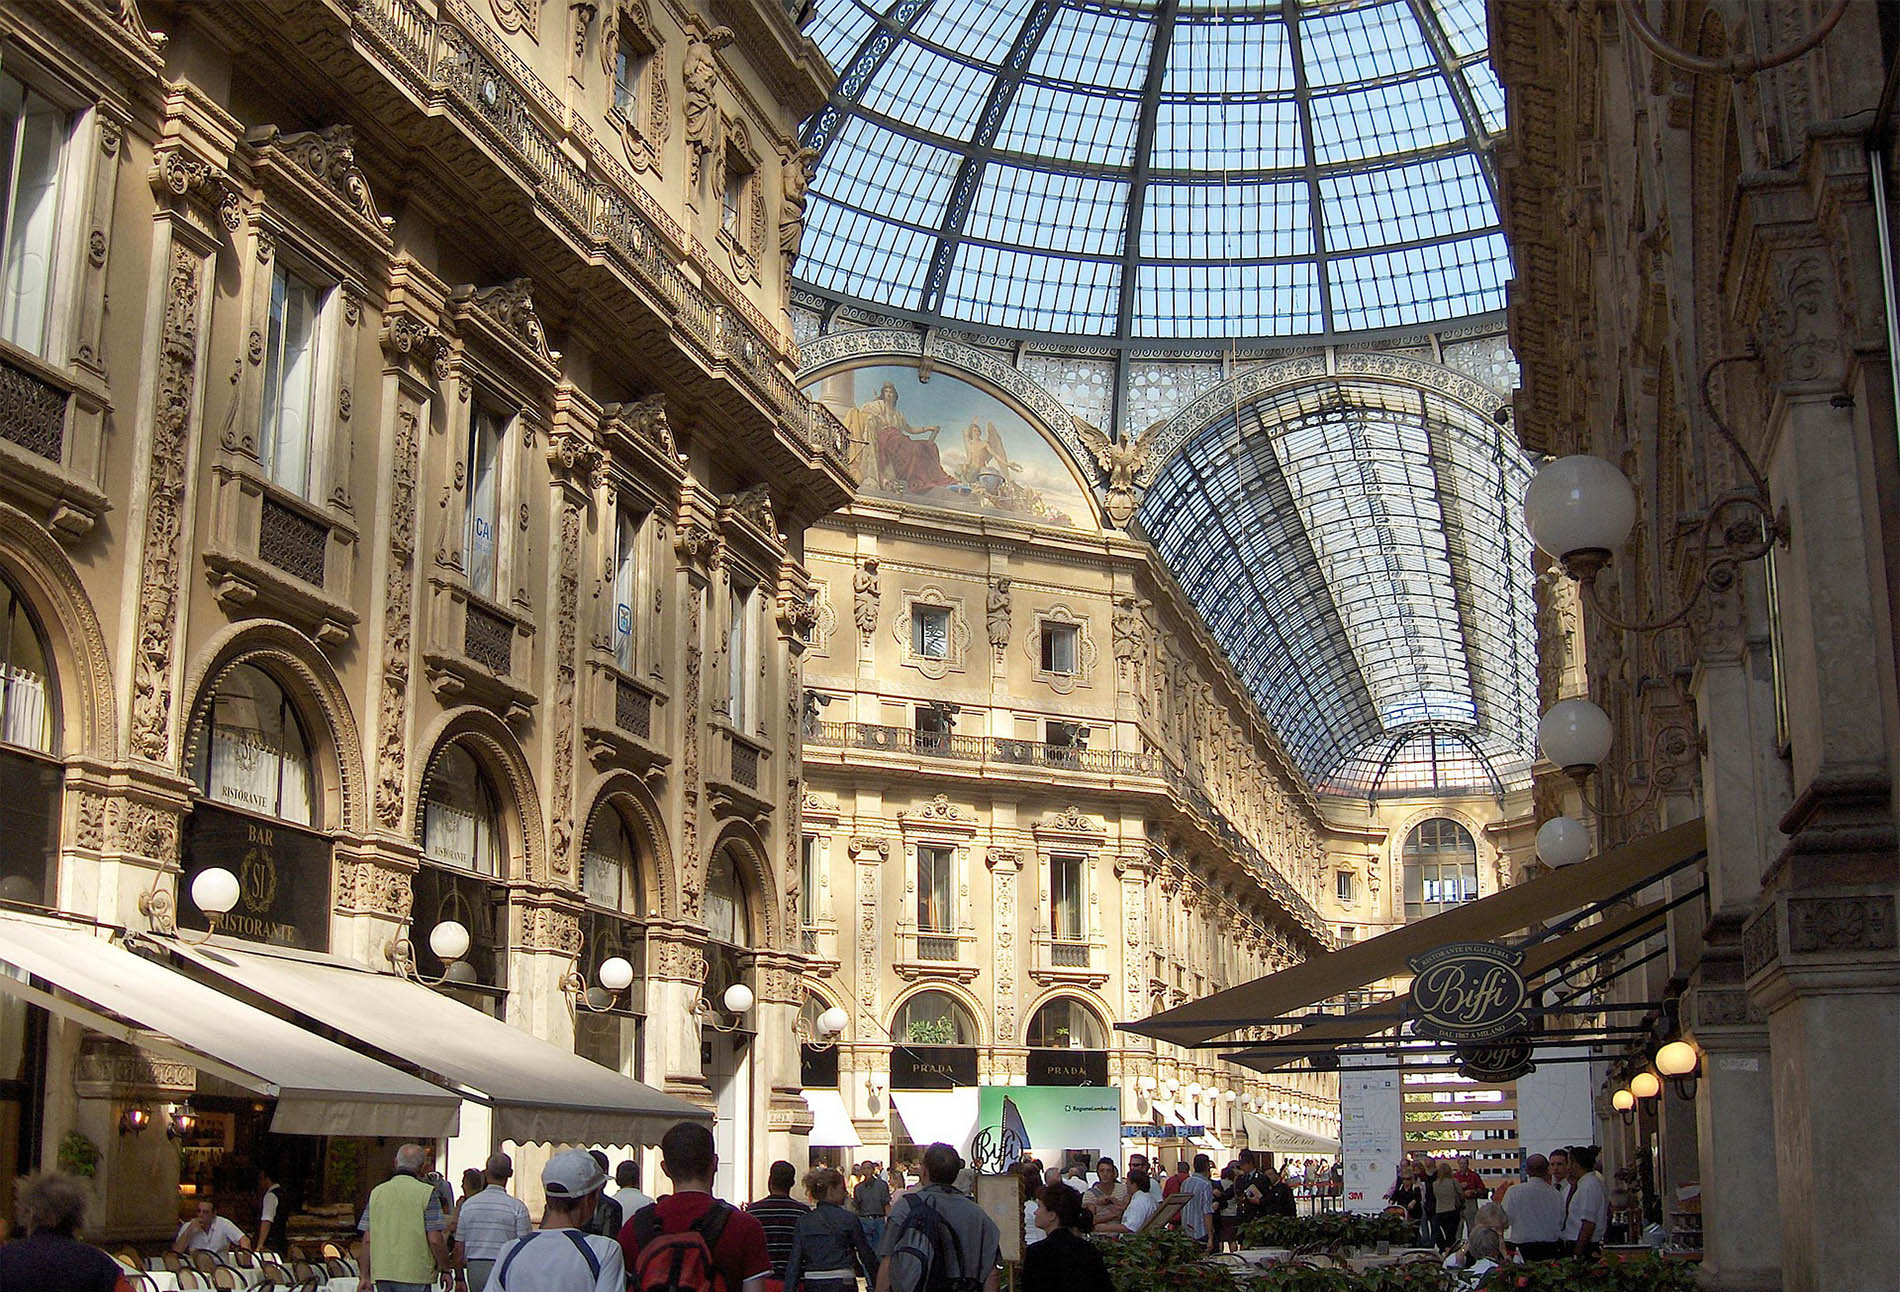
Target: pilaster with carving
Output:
[(576, 465), (1005, 865), (868, 855)]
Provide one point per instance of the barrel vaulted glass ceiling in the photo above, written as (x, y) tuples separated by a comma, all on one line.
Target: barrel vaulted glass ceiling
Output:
[(1158, 170), (1357, 547)]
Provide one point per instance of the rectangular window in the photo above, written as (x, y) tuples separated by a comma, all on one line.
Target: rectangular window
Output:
[(1066, 875), (627, 63), (626, 586), (739, 655), (483, 525), (1347, 935), (930, 632), (936, 889), (1342, 886), (287, 435), (808, 882), (1058, 649), (32, 142), (732, 206)]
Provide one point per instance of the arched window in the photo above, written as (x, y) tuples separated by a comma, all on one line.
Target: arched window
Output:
[(1441, 867), (461, 822), (30, 783), (250, 751), (727, 919), (934, 1018), (1065, 1024), (610, 867), (28, 703)]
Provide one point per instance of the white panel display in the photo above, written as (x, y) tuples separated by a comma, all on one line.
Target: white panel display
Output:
[(1371, 1131)]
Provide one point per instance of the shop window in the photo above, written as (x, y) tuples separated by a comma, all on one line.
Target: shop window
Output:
[(287, 437), (478, 905), (930, 632), (627, 586), (461, 820), (30, 781), (934, 1018), (936, 902), (482, 525), (610, 871), (1065, 1024), (1441, 867), (251, 752), (727, 918), (1059, 649), (33, 133)]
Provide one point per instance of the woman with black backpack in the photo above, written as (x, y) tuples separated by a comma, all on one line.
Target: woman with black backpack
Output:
[(829, 1244)]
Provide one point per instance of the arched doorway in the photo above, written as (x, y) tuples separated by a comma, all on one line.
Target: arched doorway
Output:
[(934, 1039), (613, 884), (1441, 867), (259, 812)]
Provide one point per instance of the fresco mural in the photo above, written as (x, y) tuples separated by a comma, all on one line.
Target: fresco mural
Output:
[(945, 443)]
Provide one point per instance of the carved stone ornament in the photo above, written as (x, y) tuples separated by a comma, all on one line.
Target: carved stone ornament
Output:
[(754, 506), (186, 176), (392, 743), (518, 16), (140, 829), (864, 591), (1801, 325), (567, 614), (510, 306), (699, 77), (366, 888), (1073, 820), (328, 156), (1121, 461), (996, 616), (644, 420), (405, 334), (575, 459), (551, 928), (1847, 923), (695, 544), (1003, 859), (795, 175), (939, 808)]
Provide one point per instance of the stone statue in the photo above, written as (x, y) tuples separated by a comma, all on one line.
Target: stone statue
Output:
[(1129, 628), (700, 76), (864, 590), (996, 615), (1120, 459), (795, 178)]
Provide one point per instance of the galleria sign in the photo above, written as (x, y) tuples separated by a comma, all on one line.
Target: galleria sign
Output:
[(1469, 991)]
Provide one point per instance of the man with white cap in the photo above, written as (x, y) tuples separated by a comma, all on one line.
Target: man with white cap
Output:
[(560, 1257)]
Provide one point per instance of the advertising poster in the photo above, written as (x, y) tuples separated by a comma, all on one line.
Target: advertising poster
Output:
[(1371, 1131), (1054, 1120)]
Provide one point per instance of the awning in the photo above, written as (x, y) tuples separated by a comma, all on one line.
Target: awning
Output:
[(1600, 879), (540, 1093), (320, 1087), (1271, 1135), (830, 1124), (1211, 1144), (939, 1116), (1618, 926)]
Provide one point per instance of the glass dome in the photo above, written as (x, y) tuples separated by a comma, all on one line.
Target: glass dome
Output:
[(1154, 172)]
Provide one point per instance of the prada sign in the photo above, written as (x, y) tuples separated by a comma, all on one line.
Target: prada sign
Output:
[(283, 877), (932, 1067), (1469, 991), (1068, 1067)]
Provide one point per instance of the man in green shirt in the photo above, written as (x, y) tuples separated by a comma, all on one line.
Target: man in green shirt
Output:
[(405, 1234)]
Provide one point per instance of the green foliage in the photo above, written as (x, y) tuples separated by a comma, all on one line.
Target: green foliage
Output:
[(1327, 1230), (932, 1031), (1164, 1261), (78, 1155), (1632, 1274)]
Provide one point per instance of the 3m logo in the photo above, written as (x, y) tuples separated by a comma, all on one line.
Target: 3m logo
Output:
[(1357, 1195)]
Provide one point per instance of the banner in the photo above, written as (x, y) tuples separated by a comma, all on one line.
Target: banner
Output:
[(1371, 1131), (1054, 1121)]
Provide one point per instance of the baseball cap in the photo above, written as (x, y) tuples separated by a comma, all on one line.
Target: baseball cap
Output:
[(572, 1174)]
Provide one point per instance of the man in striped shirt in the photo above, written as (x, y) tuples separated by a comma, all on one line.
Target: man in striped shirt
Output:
[(778, 1212), (1199, 1190), (488, 1222)]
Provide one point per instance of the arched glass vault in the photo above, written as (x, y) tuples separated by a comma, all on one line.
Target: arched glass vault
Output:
[(1158, 170), (1355, 542)]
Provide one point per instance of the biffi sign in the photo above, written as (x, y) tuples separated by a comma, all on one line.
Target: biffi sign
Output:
[(1468, 991)]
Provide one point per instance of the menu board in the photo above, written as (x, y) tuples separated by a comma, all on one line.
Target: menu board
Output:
[(1371, 1130)]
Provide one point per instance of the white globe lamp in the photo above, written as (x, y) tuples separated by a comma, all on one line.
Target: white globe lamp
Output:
[(1676, 1059), (832, 1021), (1562, 841), (1147, 1085), (214, 891), (616, 973), (1579, 509), (1575, 735), (449, 941), (1646, 1085), (1622, 1101), (738, 999)]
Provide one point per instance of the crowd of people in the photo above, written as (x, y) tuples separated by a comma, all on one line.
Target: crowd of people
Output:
[(1560, 1208)]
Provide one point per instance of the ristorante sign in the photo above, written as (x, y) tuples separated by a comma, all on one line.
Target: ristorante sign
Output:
[(283, 877), (1469, 991)]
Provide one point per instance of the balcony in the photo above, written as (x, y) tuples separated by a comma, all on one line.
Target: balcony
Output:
[(993, 751)]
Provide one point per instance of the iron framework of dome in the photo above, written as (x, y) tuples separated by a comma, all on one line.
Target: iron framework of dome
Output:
[(1158, 173)]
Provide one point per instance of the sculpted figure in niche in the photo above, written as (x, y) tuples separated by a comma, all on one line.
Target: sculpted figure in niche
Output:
[(700, 76), (795, 178), (996, 614), (864, 588)]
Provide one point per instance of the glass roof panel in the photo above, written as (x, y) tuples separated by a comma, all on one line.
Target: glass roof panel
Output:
[(1356, 545), (1390, 205)]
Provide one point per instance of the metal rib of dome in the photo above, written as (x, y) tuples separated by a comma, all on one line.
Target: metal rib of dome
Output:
[(1159, 171)]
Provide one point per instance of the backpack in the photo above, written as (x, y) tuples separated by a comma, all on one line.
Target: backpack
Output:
[(681, 1262), (927, 1244), (574, 1236)]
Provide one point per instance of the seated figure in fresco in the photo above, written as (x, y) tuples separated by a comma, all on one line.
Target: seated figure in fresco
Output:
[(899, 456)]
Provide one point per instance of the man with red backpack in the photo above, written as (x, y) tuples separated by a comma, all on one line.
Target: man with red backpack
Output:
[(690, 1241)]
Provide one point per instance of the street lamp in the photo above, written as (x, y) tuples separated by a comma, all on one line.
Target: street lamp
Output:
[(1625, 1103), (1678, 1061), (214, 891), (449, 942), (1562, 841)]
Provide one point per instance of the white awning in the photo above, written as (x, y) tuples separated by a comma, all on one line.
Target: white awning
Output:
[(939, 1116), (540, 1094), (1211, 1144), (320, 1087), (1271, 1135), (830, 1124)]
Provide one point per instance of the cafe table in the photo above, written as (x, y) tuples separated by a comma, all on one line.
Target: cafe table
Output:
[(1378, 1261)]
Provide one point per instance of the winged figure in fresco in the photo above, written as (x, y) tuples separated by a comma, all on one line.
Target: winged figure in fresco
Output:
[(1120, 460)]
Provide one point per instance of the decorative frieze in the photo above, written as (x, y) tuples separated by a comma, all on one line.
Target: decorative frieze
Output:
[(368, 887)]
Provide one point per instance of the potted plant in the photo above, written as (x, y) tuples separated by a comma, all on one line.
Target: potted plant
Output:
[(1167, 1261), (78, 1155)]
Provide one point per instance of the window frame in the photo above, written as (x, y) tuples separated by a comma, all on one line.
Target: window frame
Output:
[(484, 407), (67, 181), (320, 425), (629, 584), (204, 747), (491, 802), (1054, 633), (944, 855), (922, 614), (1416, 860), (1077, 862), (20, 615), (742, 643)]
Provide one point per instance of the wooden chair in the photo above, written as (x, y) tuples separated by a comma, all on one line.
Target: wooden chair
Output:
[(202, 1261), (129, 1257), (171, 1261), (331, 1249), (336, 1267), (304, 1271), (141, 1282), (227, 1279), (244, 1258), (190, 1280), (272, 1274)]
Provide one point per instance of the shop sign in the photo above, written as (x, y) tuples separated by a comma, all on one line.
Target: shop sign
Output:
[(1141, 1130), (283, 877), (818, 1067), (1496, 1062), (932, 1067), (1468, 991), (1068, 1067)]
